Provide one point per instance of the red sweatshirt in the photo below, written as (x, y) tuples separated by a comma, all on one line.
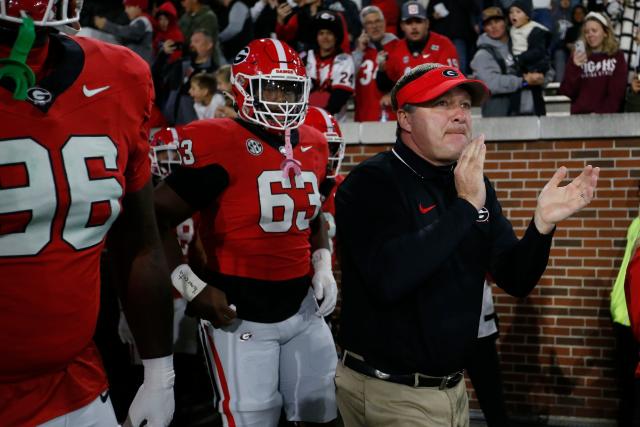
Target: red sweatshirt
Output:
[(598, 86)]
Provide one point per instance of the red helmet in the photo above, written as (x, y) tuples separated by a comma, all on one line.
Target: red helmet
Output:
[(270, 84), (328, 125), (164, 153), (45, 13)]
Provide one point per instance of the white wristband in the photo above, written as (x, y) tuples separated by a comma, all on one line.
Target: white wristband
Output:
[(186, 282), (158, 372), (321, 260)]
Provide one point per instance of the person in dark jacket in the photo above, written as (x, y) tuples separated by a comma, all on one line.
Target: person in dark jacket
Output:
[(495, 66), (237, 29), (166, 28), (419, 228)]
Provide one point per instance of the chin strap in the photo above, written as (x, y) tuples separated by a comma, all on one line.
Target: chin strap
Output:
[(289, 162), (15, 66)]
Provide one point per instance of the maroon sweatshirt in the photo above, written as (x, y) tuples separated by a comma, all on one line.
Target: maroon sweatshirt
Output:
[(598, 86)]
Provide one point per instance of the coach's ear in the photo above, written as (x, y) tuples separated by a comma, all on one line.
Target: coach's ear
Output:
[(404, 120)]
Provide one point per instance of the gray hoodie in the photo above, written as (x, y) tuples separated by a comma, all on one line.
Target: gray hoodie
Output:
[(502, 85)]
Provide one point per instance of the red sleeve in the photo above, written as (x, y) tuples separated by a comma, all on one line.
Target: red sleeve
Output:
[(287, 31), (138, 171), (616, 87)]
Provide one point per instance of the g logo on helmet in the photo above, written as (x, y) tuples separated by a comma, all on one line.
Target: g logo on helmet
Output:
[(241, 56), (39, 96), (450, 73)]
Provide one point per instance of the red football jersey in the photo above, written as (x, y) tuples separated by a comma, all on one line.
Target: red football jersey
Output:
[(439, 49), (259, 226), (367, 96), (67, 157)]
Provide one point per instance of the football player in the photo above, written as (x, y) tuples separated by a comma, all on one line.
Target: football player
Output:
[(255, 182), (73, 160), (328, 125)]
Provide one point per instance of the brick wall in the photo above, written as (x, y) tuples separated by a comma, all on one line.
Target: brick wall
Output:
[(557, 345)]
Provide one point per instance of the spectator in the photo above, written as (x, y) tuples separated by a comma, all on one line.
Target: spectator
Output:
[(625, 15), (493, 64), (167, 29), (390, 10), (632, 100), (173, 81), (331, 71), (223, 80), (293, 24), (265, 16), (238, 31), (529, 43), (206, 100), (578, 13), (138, 35), (456, 20), (561, 17), (198, 16), (541, 13), (595, 79), (351, 15), (418, 47), (419, 228), (626, 355), (365, 57)]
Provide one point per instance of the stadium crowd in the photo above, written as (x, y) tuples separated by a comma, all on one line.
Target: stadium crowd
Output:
[(357, 50)]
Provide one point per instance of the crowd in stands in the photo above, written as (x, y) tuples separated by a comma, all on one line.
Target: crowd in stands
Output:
[(357, 49)]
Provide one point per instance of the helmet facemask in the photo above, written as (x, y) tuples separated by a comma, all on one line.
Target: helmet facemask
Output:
[(164, 160), (277, 101), (336, 153), (45, 13)]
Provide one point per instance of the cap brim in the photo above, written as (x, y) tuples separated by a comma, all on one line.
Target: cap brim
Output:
[(477, 89)]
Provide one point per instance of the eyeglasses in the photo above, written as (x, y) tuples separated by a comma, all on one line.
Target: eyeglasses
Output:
[(372, 23)]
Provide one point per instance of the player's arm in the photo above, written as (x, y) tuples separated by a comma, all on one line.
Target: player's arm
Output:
[(144, 289), (324, 284), (177, 198)]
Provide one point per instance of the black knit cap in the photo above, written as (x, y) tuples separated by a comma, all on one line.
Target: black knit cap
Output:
[(523, 5), (329, 20)]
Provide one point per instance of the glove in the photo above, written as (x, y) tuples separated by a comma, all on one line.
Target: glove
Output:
[(324, 285), (154, 401), (124, 332)]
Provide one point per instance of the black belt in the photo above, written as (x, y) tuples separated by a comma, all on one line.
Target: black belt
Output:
[(413, 380)]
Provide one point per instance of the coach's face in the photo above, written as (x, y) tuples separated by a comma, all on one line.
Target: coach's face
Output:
[(439, 130)]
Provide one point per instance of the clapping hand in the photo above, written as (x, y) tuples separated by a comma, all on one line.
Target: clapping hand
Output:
[(558, 203)]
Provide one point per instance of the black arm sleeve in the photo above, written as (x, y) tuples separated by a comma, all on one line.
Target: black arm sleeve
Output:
[(188, 183), (384, 83), (337, 99)]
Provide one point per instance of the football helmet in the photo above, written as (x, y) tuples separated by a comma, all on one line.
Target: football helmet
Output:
[(270, 84), (164, 153), (45, 13), (328, 125)]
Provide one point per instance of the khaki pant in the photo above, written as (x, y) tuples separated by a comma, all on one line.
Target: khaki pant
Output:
[(365, 401)]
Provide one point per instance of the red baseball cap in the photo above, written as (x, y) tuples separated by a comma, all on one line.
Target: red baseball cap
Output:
[(435, 82)]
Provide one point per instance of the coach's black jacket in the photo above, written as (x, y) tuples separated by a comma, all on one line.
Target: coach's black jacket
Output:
[(414, 257)]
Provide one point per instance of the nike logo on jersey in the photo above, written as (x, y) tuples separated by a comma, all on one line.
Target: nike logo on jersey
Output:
[(305, 148), (93, 92), (424, 210)]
